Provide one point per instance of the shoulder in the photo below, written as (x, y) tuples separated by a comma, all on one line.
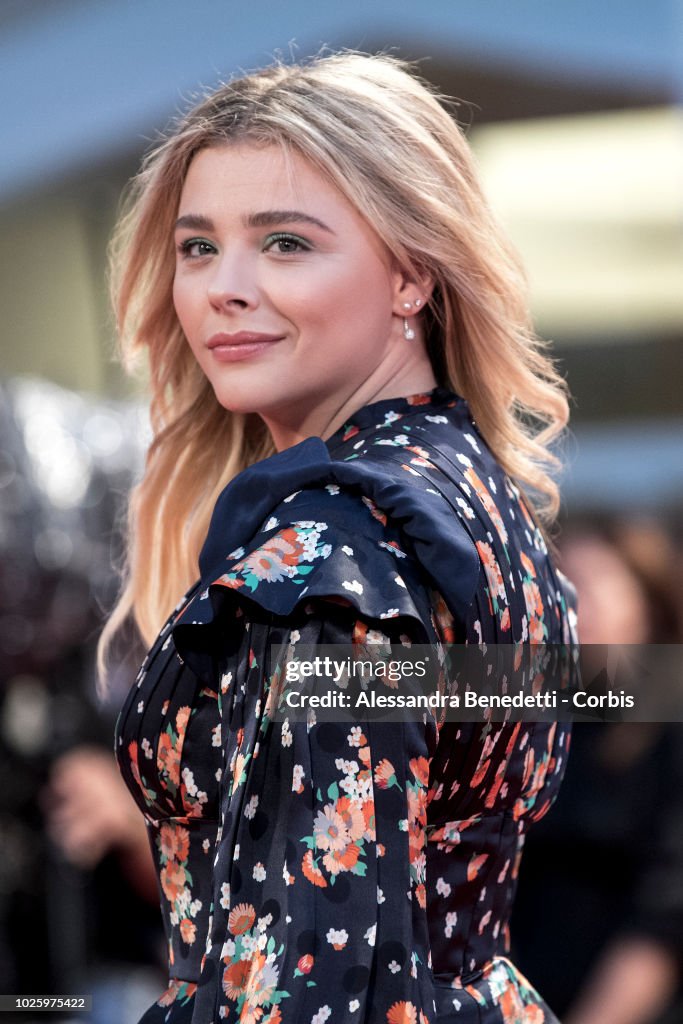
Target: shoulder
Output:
[(302, 524)]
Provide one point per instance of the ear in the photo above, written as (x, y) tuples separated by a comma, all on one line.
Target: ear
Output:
[(409, 284)]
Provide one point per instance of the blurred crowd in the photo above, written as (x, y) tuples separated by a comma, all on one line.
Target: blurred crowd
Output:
[(598, 923)]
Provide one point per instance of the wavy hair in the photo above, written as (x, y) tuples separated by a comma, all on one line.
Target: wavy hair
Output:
[(388, 141)]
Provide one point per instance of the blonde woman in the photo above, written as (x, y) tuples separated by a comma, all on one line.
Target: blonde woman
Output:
[(347, 400)]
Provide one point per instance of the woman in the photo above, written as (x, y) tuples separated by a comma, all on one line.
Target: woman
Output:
[(312, 268)]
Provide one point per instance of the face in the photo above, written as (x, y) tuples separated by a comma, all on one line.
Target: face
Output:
[(289, 300)]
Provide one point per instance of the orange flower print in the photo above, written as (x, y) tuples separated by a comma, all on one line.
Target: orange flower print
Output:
[(241, 918), (342, 860), (168, 761), (170, 746), (261, 983), (233, 582), (375, 512), (235, 977), (369, 816), (150, 795), (385, 774), (305, 964), (274, 558), (494, 576), (330, 829), (283, 556), (251, 976), (419, 766), (489, 504), (181, 719), (173, 880), (178, 991), (174, 842), (311, 871), (475, 865), (527, 564), (352, 815), (364, 756), (402, 1013), (188, 930), (532, 599)]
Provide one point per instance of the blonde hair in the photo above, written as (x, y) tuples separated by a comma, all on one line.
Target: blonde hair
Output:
[(385, 138)]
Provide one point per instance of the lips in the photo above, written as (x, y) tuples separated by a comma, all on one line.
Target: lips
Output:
[(224, 340)]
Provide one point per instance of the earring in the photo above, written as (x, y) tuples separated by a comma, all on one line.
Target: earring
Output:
[(408, 332)]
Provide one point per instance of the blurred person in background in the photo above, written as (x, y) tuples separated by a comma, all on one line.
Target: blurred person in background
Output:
[(610, 852), (78, 898)]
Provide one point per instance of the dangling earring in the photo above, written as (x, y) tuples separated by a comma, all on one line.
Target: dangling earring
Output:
[(408, 332)]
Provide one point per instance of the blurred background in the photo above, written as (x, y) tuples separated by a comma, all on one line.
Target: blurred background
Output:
[(574, 112)]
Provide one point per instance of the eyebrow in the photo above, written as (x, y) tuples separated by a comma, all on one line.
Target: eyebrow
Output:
[(264, 219)]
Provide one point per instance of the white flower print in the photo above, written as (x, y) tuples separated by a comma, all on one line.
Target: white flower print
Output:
[(355, 737), (337, 937), (443, 888), (259, 872), (298, 776), (321, 1016), (370, 934), (250, 807), (225, 895), (353, 585), (467, 510)]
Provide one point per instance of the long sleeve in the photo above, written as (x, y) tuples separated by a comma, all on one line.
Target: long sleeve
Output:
[(319, 898)]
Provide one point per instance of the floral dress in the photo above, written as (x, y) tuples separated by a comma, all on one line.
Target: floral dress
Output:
[(314, 871)]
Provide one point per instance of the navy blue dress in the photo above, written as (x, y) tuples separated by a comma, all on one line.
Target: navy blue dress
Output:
[(317, 871)]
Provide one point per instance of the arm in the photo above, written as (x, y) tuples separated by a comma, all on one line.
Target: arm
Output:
[(319, 902)]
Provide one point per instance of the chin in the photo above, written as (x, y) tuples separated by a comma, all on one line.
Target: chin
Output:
[(242, 399)]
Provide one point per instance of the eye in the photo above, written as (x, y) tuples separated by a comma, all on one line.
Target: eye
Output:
[(286, 243), (194, 248)]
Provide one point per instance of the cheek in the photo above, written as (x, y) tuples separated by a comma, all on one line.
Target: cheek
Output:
[(184, 302)]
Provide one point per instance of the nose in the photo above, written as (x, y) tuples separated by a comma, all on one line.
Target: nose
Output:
[(232, 283)]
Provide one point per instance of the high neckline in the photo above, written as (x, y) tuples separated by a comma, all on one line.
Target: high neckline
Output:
[(385, 411)]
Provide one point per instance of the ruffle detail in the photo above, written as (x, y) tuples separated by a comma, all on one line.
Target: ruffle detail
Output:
[(301, 525)]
